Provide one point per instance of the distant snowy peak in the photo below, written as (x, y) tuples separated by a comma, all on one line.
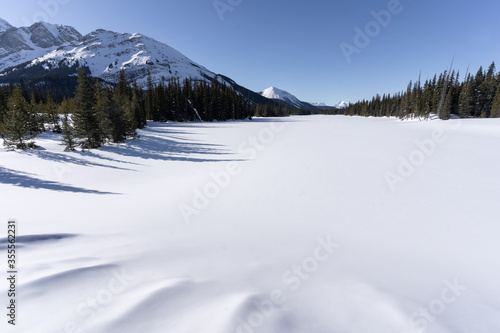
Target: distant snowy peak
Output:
[(4, 26), (275, 93), (291, 100), (342, 105)]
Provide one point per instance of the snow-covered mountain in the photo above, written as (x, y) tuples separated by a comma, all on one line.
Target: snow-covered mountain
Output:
[(284, 96), (18, 45), (45, 48), (342, 105), (105, 53)]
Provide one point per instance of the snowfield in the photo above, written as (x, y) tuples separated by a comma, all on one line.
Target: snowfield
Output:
[(315, 224)]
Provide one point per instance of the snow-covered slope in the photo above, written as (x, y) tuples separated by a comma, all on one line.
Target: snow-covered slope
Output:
[(281, 95), (293, 228), (18, 45)]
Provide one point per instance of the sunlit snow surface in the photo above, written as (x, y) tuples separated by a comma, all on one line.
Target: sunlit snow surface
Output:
[(293, 225)]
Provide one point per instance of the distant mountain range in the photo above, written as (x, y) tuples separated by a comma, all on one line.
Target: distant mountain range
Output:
[(44, 52), (339, 105)]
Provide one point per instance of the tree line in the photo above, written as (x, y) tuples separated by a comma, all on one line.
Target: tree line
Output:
[(100, 113), (445, 95), (278, 109), (195, 101)]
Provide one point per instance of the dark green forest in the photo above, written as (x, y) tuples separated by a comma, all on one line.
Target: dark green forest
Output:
[(99, 113), (445, 96)]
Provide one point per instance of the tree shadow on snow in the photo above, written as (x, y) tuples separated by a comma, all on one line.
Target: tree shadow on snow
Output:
[(66, 158), (154, 145), (21, 179), (23, 240)]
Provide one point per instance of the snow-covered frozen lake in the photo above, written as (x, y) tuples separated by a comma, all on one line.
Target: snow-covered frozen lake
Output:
[(315, 224)]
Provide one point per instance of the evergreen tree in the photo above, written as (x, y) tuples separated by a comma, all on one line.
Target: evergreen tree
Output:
[(488, 87), (427, 100), (37, 121), (149, 104), (439, 94), (51, 111), (478, 93), (138, 108), (465, 104), (447, 106), (122, 85), (86, 124), (112, 109), (101, 111), (68, 139), (3, 103), (495, 109), (17, 125)]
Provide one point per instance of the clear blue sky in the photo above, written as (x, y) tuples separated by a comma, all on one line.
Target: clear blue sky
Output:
[(295, 45)]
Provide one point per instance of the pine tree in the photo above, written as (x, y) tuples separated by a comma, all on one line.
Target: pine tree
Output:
[(3, 103), (17, 125), (133, 115), (85, 120), (437, 96), (122, 86), (51, 111), (465, 102), (139, 107), (149, 104), (113, 106), (488, 87), (68, 139), (427, 100), (447, 106), (37, 121), (101, 112), (495, 109), (478, 93)]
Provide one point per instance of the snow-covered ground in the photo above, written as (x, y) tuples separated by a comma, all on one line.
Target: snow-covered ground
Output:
[(315, 224)]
